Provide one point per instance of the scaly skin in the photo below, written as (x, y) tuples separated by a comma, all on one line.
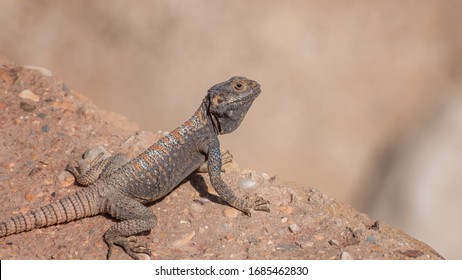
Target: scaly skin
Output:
[(120, 188)]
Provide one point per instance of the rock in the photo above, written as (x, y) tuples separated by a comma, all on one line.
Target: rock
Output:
[(197, 207), (27, 107), (29, 197), (298, 227), (45, 128), (334, 242), (29, 95), (285, 209), (184, 240), (247, 183), (294, 228), (230, 212), (64, 106), (345, 256), (66, 179), (371, 238), (142, 256)]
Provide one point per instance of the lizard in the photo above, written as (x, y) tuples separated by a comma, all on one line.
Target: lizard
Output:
[(122, 188)]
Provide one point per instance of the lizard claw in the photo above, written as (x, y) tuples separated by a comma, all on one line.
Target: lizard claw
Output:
[(73, 168), (130, 245), (261, 204), (226, 157)]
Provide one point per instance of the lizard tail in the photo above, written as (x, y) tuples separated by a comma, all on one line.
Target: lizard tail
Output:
[(76, 206)]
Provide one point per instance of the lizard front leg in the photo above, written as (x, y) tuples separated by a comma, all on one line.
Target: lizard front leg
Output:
[(214, 162)]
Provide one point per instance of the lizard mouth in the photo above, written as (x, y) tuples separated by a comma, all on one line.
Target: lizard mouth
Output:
[(251, 95)]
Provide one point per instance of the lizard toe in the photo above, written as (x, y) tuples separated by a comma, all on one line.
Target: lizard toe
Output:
[(261, 204), (130, 245)]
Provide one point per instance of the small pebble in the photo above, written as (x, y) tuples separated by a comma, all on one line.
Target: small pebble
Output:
[(283, 220), (294, 228), (64, 106), (27, 106), (29, 95), (285, 209), (371, 238), (318, 237), (66, 179), (230, 212), (247, 183), (334, 242), (142, 256), (184, 240), (45, 128), (265, 176), (167, 199), (345, 256), (29, 197), (196, 207)]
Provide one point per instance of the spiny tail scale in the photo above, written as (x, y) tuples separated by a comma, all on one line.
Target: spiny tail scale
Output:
[(76, 206)]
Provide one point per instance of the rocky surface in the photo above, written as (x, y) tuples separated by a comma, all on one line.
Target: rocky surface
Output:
[(44, 125)]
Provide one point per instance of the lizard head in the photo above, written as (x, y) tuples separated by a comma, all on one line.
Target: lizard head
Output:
[(229, 101)]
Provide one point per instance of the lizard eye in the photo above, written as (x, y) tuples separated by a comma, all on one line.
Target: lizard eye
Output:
[(239, 86)]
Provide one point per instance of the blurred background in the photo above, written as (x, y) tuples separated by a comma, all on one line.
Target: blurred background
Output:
[(360, 99)]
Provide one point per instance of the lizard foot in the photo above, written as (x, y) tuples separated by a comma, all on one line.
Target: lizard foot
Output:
[(245, 205), (130, 245), (74, 168), (226, 158)]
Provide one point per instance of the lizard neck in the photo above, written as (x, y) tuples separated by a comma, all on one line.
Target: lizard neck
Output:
[(201, 119)]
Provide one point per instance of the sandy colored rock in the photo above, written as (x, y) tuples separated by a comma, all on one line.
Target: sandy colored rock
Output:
[(208, 233), (27, 94)]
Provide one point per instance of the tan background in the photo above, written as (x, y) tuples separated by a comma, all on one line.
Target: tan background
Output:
[(347, 85)]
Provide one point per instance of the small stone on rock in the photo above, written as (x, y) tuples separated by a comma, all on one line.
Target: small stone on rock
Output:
[(45, 128), (247, 183), (28, 94), (142, 256), (370, 238), (66, 179), (27, 106), (184, 240), (334, 242), (196, 207), (294, 228), (230, 212), (318, 237), (285, 209), (29, 197), (265, 176), (345, 256)]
